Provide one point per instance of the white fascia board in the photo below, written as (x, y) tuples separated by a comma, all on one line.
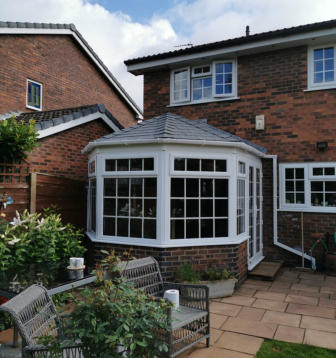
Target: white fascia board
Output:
[(76, 122), (34, 31), (202, 143), (226, 51)]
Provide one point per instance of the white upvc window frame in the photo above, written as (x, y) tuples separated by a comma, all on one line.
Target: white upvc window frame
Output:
[(172, 85), (41, 95), (308, 178), (243, 176), (204, 74), (234, 79), (311, 85)]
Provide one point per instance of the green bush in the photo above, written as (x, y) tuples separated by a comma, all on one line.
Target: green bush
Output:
[(186, 273), (16, 139), (37, 239)]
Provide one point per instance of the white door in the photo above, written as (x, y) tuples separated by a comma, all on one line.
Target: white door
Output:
[(255, 246)]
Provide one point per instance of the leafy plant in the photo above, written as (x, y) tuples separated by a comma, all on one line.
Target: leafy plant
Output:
[(113, 319), (186, 273), (37, 239), (16, 139)]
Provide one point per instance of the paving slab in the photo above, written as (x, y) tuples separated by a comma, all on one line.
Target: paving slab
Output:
[(320, 324), (259, 283), (216, 320), (218, 353), (281, 284), (312, 276), (253, 328), (239, 300), (302, 287), (289, 334), (270, 305), (245, 291), (328, 289), (214, 335), (316, 311), (251, 313), (224, 309), (286, 319), (325, 302), (267, 295), (304, 300), (239, 342), (320, 339)]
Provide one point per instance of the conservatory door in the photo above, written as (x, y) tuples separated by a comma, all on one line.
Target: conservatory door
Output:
[(255, 253)]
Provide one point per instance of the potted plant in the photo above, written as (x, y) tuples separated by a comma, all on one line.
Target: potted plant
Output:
[(220, 280)]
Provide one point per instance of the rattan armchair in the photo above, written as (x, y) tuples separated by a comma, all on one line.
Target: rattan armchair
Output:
[(189, 324), (35, 316)]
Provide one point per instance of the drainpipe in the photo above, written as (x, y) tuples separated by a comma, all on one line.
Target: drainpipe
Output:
[(275, 217)]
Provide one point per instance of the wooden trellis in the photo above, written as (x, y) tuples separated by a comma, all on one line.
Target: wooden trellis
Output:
[(14, 175)]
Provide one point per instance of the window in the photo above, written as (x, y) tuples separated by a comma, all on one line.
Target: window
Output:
[(126, 165), (240, 206), (34, 95), (209, 82), (92, 205), (196, 165), (308, 186), (198, 208), (321, 67)]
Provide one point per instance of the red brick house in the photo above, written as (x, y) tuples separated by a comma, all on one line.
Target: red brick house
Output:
[(274, 92)]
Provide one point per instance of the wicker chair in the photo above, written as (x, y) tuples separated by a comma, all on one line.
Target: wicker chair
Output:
[(34, 315), (190, 323)]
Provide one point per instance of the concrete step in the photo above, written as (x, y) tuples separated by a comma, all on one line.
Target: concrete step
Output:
[(266, 270)]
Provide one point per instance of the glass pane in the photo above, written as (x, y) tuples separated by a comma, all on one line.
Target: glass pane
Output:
[(197, 83), (136, 187), (329, 171), (317, 171), (193, 164), (221, 188), (289, 185), (299, 173), (197, 94), (329, 65), (123, 207), (136, 228), (206, 187), (150, 207), (221, 208), (136, 164), (219, 80), (179, 164), (123, 187), (177, 229), (122, 164), (207, 228), (289, 198), (228, 88), (318, 54), (206, 207), (177, 208), (150, 229), (149, 164), (299, 185), (207, 93), (177, 187), (122, 227), (207, 165), (317, 186), (192, 206), (329, 76), (109, 187), (192, 229), (109, 226), (150, 187), (109, 206), (192, 187), (318, 77), (136, 207), (330, 186), (221, 228), (318, 66), (228, 67), (330, 199), (329, 52), (219, 67), (289, 173), (110, 165), (300, 198), (316, 199), (228, 78), (220, 165), (219, 89)]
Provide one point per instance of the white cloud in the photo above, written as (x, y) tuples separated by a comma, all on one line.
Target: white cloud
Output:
[(116, 37)]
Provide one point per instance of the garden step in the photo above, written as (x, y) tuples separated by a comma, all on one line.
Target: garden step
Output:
[(266, 270)]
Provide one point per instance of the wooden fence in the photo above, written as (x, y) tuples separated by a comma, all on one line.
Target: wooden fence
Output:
[(36, 191)]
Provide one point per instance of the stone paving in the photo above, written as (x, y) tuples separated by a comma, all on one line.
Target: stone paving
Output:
[(298, 307)]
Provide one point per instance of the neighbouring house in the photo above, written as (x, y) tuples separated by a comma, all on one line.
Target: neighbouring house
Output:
[(49, 73), (242, 163)]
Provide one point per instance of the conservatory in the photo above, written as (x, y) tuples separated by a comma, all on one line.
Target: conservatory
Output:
[(170, 182)]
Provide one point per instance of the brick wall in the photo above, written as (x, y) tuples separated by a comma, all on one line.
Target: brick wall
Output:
[(234, 257), (60, 154), (69, 78)]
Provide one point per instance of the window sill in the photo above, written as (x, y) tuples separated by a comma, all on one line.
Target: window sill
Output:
[(33, 108), (204, 101), (321, 210), (321, 88)]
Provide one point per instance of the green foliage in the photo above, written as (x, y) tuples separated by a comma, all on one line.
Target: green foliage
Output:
[(16, 139), (37, 239), (275, 349), (186, 273), (6, 321), (112, 319)]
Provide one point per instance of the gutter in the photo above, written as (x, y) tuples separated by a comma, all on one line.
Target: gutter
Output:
[(275, 217)]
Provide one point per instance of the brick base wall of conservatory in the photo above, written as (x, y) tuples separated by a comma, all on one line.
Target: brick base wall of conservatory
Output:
[(234, 257)]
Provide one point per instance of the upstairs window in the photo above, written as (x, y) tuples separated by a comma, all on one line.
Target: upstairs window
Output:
[(204, 83), (34, 95)]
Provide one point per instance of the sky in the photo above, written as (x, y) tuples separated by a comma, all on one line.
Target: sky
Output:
[(123, 29)]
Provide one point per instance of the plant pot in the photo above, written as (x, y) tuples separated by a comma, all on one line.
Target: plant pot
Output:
[(330, 263), (218, 289)]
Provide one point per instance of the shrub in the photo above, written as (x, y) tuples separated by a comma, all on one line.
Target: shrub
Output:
[(16, 139), (186, 273)]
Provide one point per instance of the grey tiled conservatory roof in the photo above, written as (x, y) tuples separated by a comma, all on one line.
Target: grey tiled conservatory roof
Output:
[(175, 127)]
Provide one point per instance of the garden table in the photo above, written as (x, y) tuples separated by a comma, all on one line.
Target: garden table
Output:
[(54, 277)]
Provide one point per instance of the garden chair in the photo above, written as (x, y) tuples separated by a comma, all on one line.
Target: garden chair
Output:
[(190, 323), (35, 316)]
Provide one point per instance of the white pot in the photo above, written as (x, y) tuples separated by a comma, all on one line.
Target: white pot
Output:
[(220, 288)]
